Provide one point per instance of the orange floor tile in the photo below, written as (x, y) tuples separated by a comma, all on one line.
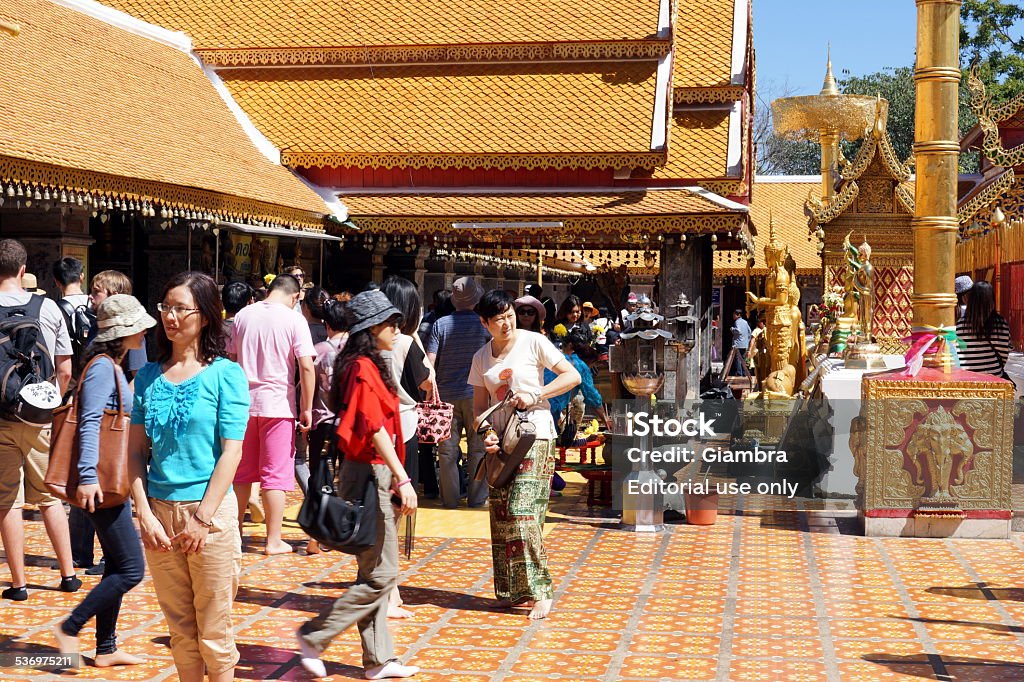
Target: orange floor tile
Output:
[(772, 595)]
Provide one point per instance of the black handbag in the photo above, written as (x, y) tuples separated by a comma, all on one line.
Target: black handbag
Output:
[(348, 526)]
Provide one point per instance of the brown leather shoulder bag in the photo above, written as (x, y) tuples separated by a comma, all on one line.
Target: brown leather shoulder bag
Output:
[(112, 465)]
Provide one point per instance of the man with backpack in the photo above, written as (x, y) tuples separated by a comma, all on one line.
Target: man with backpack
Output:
[(34, 349), (74, 304)]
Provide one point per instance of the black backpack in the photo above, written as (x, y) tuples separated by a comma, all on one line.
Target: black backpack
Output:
[(81, 323), (26, 368)]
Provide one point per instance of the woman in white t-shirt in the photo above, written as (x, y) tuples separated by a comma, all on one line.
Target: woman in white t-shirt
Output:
[(514, 360)]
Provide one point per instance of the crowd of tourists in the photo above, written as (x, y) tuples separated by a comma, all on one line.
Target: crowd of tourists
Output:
[(243, 394)]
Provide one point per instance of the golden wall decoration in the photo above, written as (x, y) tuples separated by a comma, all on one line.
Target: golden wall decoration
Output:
[(420, 54), (953, 448), (310, 159)]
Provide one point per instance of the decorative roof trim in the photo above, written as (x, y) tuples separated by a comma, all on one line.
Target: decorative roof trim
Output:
[(741, 23), (631, 229), (734, 158), (90, 187), (988, 121), (442, 54), (826, 213), (660, 120), (647, 160), (91, 8), (760, 272), (986, 197), (264, 145), (906, 197), (717, 199), (707, 95), (1008, 109), (882, 144)]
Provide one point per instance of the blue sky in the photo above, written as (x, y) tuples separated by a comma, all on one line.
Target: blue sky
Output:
[(790, 37)]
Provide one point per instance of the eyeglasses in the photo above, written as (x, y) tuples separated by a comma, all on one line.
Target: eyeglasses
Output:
[(526, 312), (298, 275), (175, 310)]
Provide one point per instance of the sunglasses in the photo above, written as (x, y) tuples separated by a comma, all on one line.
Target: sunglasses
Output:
[(526, 312)]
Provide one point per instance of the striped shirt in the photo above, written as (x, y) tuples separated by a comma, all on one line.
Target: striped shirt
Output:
[(981, 355)]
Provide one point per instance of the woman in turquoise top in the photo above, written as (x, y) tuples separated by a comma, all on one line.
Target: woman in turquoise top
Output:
[(189, 417)]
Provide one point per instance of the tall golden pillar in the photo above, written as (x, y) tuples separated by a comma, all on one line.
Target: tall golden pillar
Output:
[(937, 151), (933, 443)]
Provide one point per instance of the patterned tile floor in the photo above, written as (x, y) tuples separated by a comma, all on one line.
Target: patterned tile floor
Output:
[(771, 595)]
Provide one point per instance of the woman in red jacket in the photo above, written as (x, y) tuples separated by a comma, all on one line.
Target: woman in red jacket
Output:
[(369, 433)]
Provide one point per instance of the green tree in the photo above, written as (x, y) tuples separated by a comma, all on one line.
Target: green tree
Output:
[(990, 37)]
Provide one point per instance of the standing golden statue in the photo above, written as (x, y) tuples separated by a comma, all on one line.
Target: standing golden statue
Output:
[(859, 283), (859, 307), (782, 320)]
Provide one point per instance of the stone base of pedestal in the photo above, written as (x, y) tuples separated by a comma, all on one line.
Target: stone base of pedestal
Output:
[(992, 529)]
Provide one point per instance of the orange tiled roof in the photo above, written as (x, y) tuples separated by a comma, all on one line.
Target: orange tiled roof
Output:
[(80, 96), (783, 202), (698, 145), (269, 24), (516, 205), (703, 44), (491, 115)]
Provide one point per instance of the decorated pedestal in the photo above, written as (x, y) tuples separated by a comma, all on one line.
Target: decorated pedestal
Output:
[(934, 454)]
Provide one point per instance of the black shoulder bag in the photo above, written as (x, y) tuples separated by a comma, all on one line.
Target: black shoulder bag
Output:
[(348, 526)]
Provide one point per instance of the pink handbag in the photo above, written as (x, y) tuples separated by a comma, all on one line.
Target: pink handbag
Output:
[(435, 420)]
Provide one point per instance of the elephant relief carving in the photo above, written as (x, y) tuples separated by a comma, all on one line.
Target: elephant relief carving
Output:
[(939, 451)]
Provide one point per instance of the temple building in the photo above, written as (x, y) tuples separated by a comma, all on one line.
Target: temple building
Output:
[(551, 132), (116, 147)]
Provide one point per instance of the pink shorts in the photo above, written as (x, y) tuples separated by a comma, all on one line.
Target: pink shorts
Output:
[(268, 453)]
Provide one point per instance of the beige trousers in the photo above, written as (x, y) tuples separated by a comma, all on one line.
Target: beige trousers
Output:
[(365, 603), (195, 591)]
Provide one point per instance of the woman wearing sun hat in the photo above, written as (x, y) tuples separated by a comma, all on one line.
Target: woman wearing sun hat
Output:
[(122, 324), (369, 435)]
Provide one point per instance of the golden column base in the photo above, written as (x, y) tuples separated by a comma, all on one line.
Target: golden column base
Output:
[(934, 454)]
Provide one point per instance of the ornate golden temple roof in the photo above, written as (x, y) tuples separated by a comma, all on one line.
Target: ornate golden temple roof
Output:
[(781, 200), (527, 115), (628, 214), (706, 44), (698, 145), (295, 31), (90, 107)]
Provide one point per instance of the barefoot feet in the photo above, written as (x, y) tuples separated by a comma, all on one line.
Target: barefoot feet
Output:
[(391, 669), (280, 547), (66, 644), (541, 609), (117, 658)]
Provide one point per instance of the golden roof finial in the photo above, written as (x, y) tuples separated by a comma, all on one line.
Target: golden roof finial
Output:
[(878, 129), (829, 87)]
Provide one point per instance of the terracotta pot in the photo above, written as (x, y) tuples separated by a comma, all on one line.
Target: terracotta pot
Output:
[(701, 510)]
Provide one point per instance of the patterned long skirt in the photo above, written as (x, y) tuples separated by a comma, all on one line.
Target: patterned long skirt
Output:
[(517, 521)]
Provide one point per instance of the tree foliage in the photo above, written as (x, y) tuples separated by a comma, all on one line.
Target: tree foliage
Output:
[(990, 37)]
